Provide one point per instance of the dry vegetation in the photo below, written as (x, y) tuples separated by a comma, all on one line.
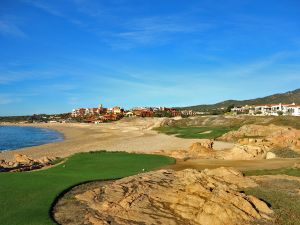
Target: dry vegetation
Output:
[(234, 121)]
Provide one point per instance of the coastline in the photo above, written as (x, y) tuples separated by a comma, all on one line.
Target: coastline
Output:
[(130, 136), (58, 136)]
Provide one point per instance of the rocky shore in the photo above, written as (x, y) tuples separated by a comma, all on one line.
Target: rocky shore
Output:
[(24, 163)]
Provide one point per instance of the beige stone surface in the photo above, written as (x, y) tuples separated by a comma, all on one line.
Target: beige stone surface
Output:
[(270, 155), (24, 163), (270, 135), (169, 197)]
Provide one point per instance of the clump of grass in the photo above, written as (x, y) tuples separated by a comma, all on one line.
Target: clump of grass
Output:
[(280, 194), (56, 161), (285, 153), (287, 171)]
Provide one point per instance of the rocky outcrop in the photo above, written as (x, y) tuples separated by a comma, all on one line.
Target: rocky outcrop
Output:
[(24, 159), (204, 150), (270, 155), (271, 136), (297, 165), (244, 152), (169, 197), (201, 149), (24, 163)]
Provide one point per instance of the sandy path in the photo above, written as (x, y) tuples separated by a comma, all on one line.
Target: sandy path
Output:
[(243, 165)]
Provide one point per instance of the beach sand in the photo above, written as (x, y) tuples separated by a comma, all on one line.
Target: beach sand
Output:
[(134, 135)]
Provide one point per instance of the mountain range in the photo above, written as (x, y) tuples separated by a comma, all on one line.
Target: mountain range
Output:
[(287, 97)]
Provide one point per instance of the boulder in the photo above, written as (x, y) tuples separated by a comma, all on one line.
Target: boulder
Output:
[(258, 134), (24, 159), (297, 165), (24, 163), (270, 155), (169, 197), (2, 163), (245, 152), (199, 149), (45, 160), (205, 143), (259, 205)]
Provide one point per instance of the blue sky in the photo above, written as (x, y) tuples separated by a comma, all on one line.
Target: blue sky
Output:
[(62, 54)]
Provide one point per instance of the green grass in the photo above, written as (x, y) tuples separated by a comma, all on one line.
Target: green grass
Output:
[(195, 132), (26, 198), (281, 194), (285, 153), (287, 171), (284, 203)]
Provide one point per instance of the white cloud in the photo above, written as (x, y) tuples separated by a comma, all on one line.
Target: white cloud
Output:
[(6, 98), (154, 30), (53, 10), (8, 28)]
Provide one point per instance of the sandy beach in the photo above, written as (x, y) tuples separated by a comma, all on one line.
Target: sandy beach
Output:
[(134, 135)]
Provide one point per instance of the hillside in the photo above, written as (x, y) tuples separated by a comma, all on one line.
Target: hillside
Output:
[(288, 97)]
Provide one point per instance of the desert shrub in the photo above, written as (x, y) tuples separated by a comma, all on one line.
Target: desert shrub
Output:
[(285, 153)]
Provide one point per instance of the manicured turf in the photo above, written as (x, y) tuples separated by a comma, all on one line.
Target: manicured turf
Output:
[(25, 198), (196, 132)]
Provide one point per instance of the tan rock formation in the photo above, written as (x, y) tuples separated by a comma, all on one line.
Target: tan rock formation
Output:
[(23, 159), (169, 197), (204, 147), (45, 160), (245, 152), (296, 166), (24, 163), (201, 149), (205, 143), (238, 152), (270, 155), (267, 135)]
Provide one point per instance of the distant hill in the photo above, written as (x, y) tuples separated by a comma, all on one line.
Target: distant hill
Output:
[(288, 97)]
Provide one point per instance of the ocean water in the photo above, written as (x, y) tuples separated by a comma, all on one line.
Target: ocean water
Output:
[(14, 137)]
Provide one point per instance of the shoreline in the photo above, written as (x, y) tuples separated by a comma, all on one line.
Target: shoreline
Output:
[(59, 138), (129, 136)]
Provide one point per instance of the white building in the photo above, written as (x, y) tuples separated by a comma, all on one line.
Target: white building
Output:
[(263, 109), (237, 109), (293, 110), (278, 109)]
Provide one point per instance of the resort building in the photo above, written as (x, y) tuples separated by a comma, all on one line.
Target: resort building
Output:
[(94, 112), (188, 113), (293, 110), (143, 112), (271, 109)]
